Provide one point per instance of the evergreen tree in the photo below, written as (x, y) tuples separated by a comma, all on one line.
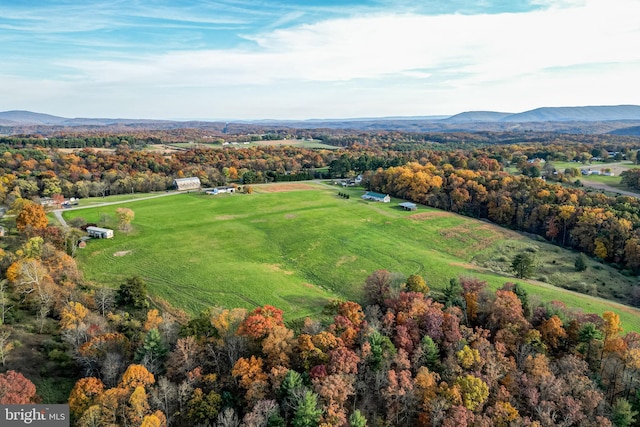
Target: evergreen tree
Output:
[(453, 294), (623, 415), (153, 351), (523, 296), (307, 413), (522, 265), (431, 352), (357, 419)]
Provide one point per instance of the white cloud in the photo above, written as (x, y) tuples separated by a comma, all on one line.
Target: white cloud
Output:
[(488, 46), (406, 63)]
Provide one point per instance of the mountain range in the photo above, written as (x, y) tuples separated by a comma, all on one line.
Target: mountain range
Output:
[(588, 119)]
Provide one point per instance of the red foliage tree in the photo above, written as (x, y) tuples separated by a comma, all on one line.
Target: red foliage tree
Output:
[(16, 389), (261, 321)]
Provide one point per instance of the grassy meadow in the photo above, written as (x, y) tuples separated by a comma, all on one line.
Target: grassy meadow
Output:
[(296, 245), (302, 143), (614, 181)]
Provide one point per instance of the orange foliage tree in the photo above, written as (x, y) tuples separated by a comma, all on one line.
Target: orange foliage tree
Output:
[(261, 321), (84, 394), (252, 377), (136, 375), (31, 215)]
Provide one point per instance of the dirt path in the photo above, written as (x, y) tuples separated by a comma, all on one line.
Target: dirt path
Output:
[(606, 187), (616, 168)]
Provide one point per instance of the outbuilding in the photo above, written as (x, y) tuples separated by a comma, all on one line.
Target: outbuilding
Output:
[(219, 190), (192, 183), (376, 197), (100, 233), (408, 206)]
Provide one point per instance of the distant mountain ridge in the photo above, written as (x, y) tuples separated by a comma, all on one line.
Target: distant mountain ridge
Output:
[(29, 117), (22, 117), (588, 119), (577, 114), (553, 114), (477, 116)]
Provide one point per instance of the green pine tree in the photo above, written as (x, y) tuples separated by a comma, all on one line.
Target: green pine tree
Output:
[(307, 413)]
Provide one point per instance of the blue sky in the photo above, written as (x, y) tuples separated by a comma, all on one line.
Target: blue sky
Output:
[(240, 59)]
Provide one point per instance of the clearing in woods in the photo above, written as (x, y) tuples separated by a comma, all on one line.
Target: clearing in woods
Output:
[(296, 245)]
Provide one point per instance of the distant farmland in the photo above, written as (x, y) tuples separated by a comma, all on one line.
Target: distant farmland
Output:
[(296, 246), (302, 143)]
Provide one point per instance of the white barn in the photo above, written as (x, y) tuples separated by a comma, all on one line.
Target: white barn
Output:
[(192, 183), (376, 197), (100, 233), (219, 190)]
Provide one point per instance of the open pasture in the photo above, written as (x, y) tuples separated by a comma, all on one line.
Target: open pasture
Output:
[(295, 246), (302, 143), (617, 168)]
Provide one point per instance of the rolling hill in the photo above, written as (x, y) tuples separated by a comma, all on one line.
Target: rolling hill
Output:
[(20, 117), (587, 120), (297, 245), (581, 114), (477, 116)]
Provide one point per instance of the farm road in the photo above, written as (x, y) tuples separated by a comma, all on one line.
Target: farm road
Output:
[(58, 212), (601, 186)]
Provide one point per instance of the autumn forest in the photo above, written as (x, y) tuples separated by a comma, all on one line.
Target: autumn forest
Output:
[(403, 355)]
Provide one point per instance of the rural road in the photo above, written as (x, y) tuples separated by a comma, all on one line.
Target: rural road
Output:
[(58, 212), (601, 186)]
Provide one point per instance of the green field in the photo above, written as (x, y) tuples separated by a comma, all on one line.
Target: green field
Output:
[(296, 248), (613, 181), (303, 143)]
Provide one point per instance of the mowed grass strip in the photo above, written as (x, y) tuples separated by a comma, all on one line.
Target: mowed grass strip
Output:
[(293, 246)]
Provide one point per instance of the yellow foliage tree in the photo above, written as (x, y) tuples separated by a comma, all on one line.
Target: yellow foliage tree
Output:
[(84, 394), (13, 271), (73, 315), (151, 421), (473, 390), (468, 356), (136, 375), (125, 216), (153, 320), (504, 413), (31, 215), (600, 250), (138, 406)]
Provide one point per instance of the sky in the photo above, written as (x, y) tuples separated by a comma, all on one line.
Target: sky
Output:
[(282, 59)]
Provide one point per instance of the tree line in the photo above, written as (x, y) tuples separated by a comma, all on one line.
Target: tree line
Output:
[(602, 226)]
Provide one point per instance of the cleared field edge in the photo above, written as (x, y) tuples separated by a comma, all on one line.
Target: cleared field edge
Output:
[(629, 315)]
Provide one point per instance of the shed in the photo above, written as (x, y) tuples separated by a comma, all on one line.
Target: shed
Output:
[(192, 183), (100, 233), (47, 201), (376, 197), (408, 206)]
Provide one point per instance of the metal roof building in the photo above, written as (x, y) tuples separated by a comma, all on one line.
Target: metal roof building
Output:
[(408, 206), (192, 183)]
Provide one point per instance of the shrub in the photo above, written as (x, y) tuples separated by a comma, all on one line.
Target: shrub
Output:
[(581, 262)]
